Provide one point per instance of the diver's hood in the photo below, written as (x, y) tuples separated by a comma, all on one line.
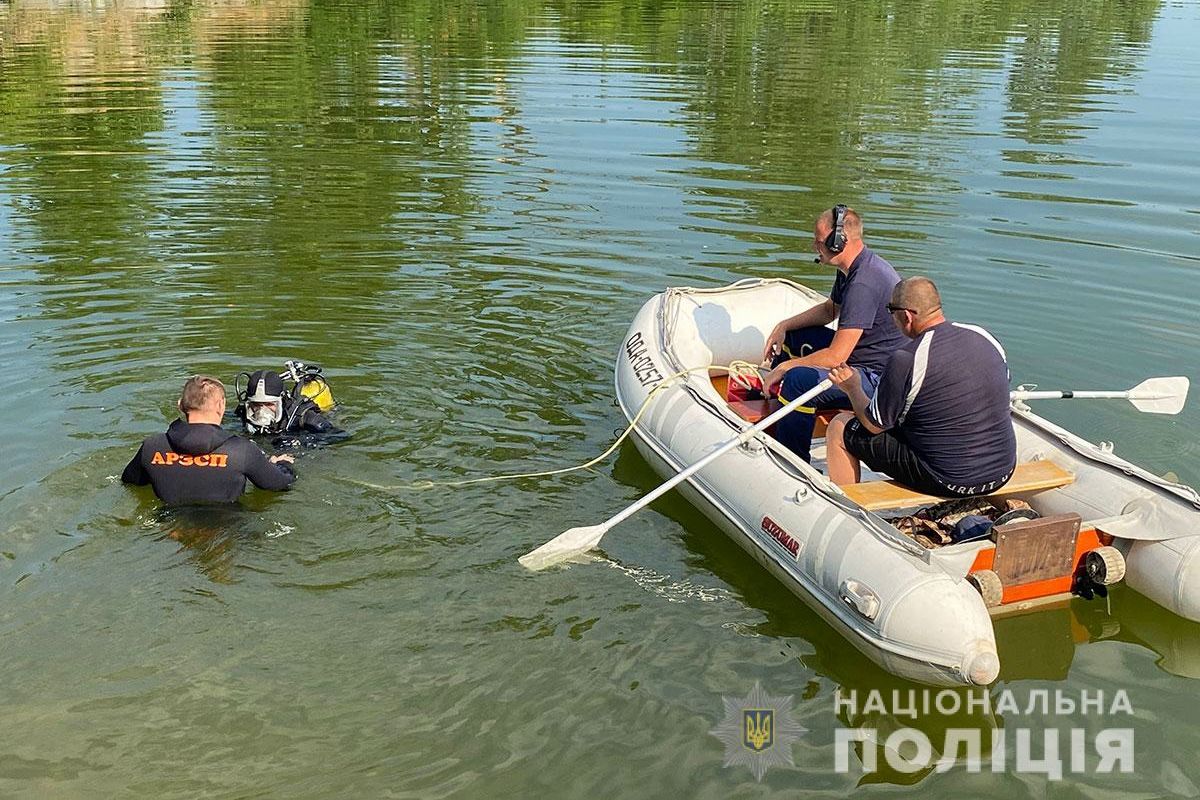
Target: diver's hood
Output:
[(196, 438), (264, 386)]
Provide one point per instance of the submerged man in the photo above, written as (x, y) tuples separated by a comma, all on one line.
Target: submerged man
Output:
[(939, 421), (197, 461), (268, 408), (801, 350)]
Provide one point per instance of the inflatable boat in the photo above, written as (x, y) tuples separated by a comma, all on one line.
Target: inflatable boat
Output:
[(923, 613)]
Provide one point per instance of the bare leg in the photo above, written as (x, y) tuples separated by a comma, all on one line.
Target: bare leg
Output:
[(843, 467)]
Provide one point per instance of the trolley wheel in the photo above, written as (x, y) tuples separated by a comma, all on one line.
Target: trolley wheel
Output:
[(1104, 566), (988, 584)]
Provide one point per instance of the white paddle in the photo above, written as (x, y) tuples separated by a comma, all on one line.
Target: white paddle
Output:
[(1155, 396), (577, 541)]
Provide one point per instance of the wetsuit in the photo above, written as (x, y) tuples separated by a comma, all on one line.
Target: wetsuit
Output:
[(305, 416), (199, 463)]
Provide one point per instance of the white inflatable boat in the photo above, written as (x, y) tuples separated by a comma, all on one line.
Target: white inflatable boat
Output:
[(924, 614)]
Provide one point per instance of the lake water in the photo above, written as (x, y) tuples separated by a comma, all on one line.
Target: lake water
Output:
[(456, 208)]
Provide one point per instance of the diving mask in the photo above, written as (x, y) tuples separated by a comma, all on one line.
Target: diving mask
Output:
[(264, 415)]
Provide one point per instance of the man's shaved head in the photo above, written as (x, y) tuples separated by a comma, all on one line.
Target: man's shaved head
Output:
[(918, 294)]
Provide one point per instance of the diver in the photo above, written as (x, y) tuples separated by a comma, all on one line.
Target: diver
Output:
[(267, 407)]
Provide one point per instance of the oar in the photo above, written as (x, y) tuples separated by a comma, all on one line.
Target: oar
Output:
[(578, 541), (1155, 396)]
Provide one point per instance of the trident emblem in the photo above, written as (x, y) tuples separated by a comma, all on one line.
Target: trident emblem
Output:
[(759, 726)]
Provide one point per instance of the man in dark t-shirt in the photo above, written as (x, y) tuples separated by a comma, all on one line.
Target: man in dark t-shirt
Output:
[(196, 461), (802, 349), (939, 421)]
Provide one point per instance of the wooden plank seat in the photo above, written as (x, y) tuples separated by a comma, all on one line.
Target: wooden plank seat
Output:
[(1032, 476)]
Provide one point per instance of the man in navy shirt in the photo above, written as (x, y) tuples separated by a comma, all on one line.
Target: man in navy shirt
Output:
[(802, 349), (939, 421)]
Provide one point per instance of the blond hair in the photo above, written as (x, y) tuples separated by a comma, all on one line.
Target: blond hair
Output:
[(201, 392)]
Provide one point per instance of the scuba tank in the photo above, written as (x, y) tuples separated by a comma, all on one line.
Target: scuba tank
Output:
[(310, 384), (317, 390)]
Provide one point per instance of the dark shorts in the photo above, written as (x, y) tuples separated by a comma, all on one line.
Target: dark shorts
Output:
[(884, 452)]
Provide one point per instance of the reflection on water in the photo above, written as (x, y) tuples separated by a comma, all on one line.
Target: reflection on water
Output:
[(208, 536), (456, 208)]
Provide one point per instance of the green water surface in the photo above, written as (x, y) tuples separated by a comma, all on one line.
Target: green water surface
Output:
[(457, 207)]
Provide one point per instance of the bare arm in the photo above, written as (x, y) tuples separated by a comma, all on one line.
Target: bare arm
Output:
[(821, 314), (838, 352), (847, 379)]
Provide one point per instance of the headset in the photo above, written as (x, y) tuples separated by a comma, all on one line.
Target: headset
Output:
[(835, 242)]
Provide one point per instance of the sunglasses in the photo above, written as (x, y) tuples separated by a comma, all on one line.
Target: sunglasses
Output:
[(891, 309)]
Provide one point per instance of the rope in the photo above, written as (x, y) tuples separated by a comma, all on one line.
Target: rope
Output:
[(741, 372), (740, 369), (746, 375)]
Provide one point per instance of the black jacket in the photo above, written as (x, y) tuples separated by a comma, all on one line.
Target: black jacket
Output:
[(197, 463)]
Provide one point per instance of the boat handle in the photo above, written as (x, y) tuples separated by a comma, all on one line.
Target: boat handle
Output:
[(860, 597), (753, 447)]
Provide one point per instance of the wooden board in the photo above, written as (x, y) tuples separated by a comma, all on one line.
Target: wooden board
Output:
[(1036, 550), (1033, 476), (1027, 595)]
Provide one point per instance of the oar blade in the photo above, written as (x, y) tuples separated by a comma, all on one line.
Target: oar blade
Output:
[(577, 541), (1160, 395), (564, 547)]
